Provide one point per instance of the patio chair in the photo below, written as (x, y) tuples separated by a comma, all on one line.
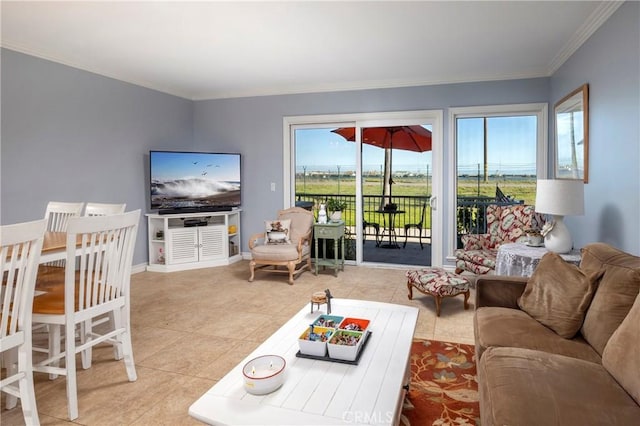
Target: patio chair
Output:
[(418, 226), (376, 228), (505, 224), (292, 251)]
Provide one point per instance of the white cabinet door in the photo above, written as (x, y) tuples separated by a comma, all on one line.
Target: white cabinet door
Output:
[(182, 245), (213, 243)]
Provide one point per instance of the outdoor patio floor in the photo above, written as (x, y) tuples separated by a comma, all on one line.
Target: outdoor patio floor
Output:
[(411, 255)]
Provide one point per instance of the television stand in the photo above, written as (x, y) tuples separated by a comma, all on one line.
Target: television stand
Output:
[(185, 241)]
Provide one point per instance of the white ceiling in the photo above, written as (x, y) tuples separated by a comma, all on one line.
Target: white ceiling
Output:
[(208, 50)]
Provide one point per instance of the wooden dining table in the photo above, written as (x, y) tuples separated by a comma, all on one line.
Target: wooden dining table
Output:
[(54, 246)]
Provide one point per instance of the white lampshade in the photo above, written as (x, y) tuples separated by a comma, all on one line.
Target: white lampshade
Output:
[(560, 197)]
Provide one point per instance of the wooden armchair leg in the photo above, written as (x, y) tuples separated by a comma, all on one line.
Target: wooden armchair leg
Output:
[(292, 268), (252, 266)]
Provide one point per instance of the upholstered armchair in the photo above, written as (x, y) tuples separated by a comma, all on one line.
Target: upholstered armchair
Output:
[(285, 242), (505, 224)]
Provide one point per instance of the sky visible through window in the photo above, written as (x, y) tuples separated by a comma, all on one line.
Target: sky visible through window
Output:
[(511, 149)]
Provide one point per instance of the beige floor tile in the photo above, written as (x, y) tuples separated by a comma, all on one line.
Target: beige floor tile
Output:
[(190, 328)]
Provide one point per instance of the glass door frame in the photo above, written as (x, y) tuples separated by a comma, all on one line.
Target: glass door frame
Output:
[(540, 110), (380, 119)]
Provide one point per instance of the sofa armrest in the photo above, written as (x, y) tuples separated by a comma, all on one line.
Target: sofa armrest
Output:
[(499, 291)]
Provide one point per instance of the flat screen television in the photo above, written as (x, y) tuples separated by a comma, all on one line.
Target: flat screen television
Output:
[(189, 182)]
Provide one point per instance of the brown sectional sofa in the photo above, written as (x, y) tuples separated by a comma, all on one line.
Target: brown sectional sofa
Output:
[(529, 374)]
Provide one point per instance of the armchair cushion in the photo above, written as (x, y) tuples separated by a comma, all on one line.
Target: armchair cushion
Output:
[(277, 231), (558, 295), (480, 257), (278, 252)]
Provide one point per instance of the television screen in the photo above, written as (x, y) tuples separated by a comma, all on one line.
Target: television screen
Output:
[(194, 181)]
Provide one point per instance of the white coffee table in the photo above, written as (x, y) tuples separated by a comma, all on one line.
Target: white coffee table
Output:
[(319, 392)]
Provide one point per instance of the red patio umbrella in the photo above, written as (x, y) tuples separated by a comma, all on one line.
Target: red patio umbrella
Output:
[(408, 138)]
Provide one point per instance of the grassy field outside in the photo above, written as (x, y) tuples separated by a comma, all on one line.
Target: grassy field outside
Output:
[(328, 185)]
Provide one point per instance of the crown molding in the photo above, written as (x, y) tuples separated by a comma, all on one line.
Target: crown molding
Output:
[(598, 17)]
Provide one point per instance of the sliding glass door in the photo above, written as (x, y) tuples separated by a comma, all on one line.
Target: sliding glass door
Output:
[(388, 189)]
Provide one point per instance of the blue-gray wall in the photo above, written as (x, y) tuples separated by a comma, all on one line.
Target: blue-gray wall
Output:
[(610, 63), (71, 135), (253, 126)]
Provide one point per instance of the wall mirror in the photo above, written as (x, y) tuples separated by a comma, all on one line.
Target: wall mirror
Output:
[(572, 135)]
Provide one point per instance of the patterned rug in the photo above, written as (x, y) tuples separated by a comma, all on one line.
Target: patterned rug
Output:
[(444, 387)]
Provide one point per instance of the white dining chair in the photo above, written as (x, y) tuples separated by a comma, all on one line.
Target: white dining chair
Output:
[(20, 247), (57, 215), (102, 209), (97, 280)]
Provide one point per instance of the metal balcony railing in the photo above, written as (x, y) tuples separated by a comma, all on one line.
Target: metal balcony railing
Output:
[(470, 214)]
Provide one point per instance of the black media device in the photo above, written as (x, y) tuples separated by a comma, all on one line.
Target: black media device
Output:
[(195, 222)]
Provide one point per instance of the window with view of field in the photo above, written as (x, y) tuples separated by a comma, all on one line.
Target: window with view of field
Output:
[(496, 163)]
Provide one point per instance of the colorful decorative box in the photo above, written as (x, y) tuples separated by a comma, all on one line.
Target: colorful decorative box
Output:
[(354, 324), (329, 321), (345, 344), (314, 342)]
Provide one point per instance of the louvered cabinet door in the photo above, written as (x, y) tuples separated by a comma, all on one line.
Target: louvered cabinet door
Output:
[(182, 245), (213, 243)]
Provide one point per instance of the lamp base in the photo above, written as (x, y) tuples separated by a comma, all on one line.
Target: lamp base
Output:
[(558, 240)]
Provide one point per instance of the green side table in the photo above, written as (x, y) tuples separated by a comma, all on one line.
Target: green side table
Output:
[(329, 231)]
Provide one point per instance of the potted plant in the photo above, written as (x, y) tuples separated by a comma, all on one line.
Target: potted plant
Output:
[(336, 206)]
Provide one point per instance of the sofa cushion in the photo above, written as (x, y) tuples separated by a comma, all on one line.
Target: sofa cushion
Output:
[(505, 327), (527, 387), (621, 356), (558, 295), (617, 290)]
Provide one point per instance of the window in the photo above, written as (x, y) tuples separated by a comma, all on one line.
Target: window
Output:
[(499, 153)]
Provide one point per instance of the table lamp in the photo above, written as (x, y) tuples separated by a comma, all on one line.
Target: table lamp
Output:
[(559, 198)]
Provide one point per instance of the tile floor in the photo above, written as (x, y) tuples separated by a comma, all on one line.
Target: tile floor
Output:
[(190, 328)]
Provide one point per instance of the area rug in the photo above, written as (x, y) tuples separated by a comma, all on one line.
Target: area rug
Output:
[(444, 387)]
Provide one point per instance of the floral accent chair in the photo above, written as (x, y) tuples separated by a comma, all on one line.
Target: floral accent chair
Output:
[(505, 224)]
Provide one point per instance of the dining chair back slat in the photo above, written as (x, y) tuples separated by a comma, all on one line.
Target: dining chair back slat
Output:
[(102, 209), (57, 215), (20, 247)]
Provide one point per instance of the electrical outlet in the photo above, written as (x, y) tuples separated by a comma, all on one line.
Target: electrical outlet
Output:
[(273, 186)]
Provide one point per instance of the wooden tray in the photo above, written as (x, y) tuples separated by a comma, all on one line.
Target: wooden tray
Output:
[(341, 361)]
